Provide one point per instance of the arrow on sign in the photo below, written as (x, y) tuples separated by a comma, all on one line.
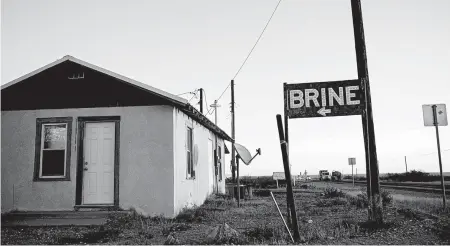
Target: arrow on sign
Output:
[(324, 111)]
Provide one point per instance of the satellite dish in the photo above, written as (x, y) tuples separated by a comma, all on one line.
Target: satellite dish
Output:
[(243, 153)]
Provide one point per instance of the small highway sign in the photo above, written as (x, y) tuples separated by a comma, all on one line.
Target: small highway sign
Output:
[(322, 99), (278, 176), (441, 115), (352, 161)]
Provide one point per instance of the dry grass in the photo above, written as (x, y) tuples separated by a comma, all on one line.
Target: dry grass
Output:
[(323, 219), (432, 206)]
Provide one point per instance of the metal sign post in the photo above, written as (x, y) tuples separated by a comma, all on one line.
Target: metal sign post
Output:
[(352, 162), (436, 115)]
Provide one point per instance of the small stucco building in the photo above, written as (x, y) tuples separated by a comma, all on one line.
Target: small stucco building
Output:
[(75, 135)]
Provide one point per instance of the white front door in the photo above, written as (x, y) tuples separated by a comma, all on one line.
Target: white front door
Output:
[(98, 166)]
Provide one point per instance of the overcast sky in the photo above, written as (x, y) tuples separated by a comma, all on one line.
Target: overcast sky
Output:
[(179, 46)]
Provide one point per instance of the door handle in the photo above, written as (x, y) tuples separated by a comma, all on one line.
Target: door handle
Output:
[(85, 166)]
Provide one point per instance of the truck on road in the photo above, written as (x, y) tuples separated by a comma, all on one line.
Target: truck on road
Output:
[(324, 175), (336, 176)]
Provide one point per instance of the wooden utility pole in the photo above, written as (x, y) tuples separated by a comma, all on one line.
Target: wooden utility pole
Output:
[(406, 164), (289, 193), (233, 153), (201, 100), (238, 183), (215, 106), (373, 187)]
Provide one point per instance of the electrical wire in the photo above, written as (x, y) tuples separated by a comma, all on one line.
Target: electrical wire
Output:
[(224, 91), (435, 152), (184, 93), (240, 68), (273, 13), (195, 95)]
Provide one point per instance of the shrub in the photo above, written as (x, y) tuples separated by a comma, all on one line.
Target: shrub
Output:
[(386, 198), (220, 202), (331, 192), (194, 214), (413, 175), (332, 202), (360, 201), (262, 192)]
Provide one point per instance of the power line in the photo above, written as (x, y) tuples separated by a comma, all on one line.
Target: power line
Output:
[(184, 93), (195, 95), (224, 91), (257, 40), (265, 27), (435, 152)]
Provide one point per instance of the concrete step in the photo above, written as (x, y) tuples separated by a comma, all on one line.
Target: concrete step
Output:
[(57, 218)]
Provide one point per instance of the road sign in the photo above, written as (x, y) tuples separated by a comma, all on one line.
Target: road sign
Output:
[(279, 176), (441, 114), (322, 99), (352, 161)]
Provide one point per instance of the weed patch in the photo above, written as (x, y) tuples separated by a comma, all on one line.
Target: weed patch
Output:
[(194, 214), (360, 201), (176, 227), (386, 198), (266, 235), (332, 202), (375, 226), (261, 193), (346, 229), (93, 237), (331, 192)]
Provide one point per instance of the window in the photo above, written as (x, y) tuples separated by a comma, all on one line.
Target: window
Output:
[(189, 153), (219, 158), (52, 154)]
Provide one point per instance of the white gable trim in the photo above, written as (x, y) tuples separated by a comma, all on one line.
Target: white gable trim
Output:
[(146, 87)]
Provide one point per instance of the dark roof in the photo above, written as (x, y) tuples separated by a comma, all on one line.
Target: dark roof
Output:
[(11, 90)]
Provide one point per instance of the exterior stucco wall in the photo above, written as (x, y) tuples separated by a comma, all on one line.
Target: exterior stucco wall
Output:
[(189, 192), (146, 160)]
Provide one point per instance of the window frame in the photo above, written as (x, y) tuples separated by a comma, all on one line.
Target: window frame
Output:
[(39, 148), (219, 160), (190, 171)]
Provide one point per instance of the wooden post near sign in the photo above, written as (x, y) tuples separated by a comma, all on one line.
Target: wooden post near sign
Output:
[(341, 98), (287, 172), (286, 133), (373, 188)]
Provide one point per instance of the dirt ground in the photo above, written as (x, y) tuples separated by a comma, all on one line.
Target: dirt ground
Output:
[(322, 220)]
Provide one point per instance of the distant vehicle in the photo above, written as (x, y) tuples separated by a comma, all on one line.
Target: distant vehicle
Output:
[(336, 176), (324, 175)]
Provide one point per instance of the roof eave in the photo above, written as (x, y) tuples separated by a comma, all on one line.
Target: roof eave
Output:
[(199, 117)]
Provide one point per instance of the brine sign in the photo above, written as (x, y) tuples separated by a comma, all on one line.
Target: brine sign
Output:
[(336, 98)]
